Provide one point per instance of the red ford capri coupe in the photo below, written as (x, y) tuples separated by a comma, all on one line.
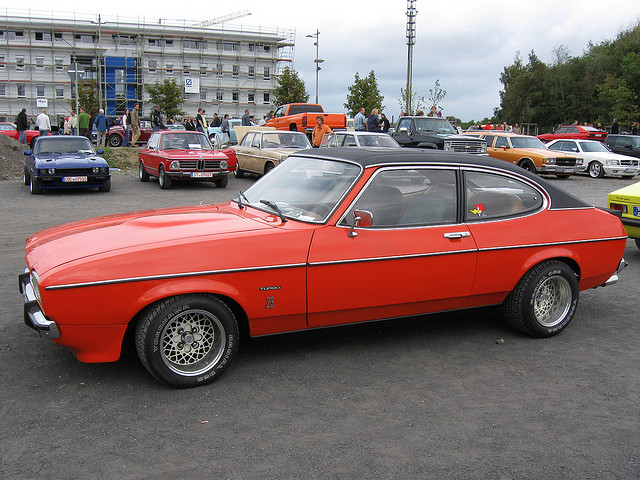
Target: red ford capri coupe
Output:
[(582, 132), (330, 237), (174, 155)]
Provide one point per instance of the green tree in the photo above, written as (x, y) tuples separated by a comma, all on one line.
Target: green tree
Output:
[(290, 88), (87, 97), (436, 95), (168, 95), (416, 102), (364, 93)]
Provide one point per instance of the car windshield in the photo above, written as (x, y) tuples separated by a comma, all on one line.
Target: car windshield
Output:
[(377, 141), (526, 142), (7, 127), (429, 124), (304, 189), (285, 140), (184, 141), (61, 144), (593, 147)]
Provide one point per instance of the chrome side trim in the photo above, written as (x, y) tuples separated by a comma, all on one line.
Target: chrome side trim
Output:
[(391, 257), (551, 244)]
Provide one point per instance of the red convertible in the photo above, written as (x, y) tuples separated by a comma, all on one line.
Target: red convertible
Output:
[(179, 155), (330, 237)]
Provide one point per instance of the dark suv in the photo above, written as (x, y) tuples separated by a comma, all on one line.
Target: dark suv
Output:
[(437, 133), (624, 144)]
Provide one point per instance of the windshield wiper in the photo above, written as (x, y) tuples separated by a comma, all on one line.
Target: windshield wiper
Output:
[(273, 205), (240, 197)]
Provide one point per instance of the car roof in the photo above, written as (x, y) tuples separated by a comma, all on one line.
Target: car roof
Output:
[(373, 157), (359, 133)]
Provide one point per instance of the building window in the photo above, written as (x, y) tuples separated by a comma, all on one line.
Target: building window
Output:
[(19, 64), (194, 44), (203, 69), (228, 46), (16, 35), (236, 70), (59, 92), (267, 75), (21, 90), (40, 91), (267, 49), (58, 63), (265, 98), (186, 68), (152, 67), (252, 47), (169, 68), (3, 90), (235, 97), (83, 38), (39, 63), (57, 36), (251, 97), (219, 95), (203, 94), (252, 72), (168, 43), (43, 36), (3, 62), (219, 72)]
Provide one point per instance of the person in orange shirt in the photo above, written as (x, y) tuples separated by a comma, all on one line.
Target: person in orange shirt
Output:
[(319, 131)]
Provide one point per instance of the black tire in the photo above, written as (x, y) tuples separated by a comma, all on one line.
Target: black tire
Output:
[(527, 165), (106, 187), (596, 170), (543, 302), (34, 186), (187, 340), (25, 177), (239, 173), (222, 181), (142, 173), (164, 180), (115, 140), (268, 167), (637, 240)]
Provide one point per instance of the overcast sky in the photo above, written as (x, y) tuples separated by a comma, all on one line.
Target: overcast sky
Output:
[(464, 44)]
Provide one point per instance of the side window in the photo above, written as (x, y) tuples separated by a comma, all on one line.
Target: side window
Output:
[(569, 147), (248, 138), (556, 146), (257, 139), (623, 142), (153, 142), (492, 196), (405, 123), (572, 130), (489, 139), (349, 141), (501, 142), (408, 197), (561, 130)]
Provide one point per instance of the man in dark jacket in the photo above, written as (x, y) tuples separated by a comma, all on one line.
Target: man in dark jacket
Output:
[(22, 125), (156, 120)]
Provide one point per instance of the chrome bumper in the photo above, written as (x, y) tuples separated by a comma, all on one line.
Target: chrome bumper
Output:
[(614, 278), (34, 317)]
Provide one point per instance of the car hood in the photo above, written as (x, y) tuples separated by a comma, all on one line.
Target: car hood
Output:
[(149, 242), (69, 160), (605, 156), (195, 154)]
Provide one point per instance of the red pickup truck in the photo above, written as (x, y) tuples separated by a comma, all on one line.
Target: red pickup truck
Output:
[(301, 117)]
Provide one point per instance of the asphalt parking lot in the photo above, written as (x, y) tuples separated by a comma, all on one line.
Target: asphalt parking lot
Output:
[(433, 397)]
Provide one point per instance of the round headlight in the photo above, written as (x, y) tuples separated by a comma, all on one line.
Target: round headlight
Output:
[(175, 165), (96, 169), (51, 171), (224, 164)]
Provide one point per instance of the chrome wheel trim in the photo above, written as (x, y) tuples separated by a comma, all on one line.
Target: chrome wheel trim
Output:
[(192, 342), (594, 169), (140, 170), (552, 301)]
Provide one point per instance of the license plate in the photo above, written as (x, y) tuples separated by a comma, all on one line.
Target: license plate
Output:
[(567, 170), (636, 211), (201, 174), (74, 179), (598, 135)]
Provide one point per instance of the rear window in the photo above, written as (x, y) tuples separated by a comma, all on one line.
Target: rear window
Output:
[(295, 109)]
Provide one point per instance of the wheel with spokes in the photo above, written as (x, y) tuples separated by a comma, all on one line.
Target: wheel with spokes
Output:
[(596, 170)]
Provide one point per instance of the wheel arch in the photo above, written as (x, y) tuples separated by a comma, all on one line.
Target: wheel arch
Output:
[(565, 257)]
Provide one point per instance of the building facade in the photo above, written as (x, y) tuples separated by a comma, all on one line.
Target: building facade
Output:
[(222, 69)]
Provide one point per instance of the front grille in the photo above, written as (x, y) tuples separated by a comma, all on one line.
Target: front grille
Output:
[(465, 146), (200, 164), (73, 171), (566, 162), (630, 163)]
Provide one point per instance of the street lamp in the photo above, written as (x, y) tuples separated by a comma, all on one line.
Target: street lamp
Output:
[(317, 60)]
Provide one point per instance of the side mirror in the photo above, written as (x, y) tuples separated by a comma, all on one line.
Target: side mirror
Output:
[(505, 147), (361, 218)]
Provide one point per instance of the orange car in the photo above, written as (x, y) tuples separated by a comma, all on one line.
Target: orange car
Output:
[(529, 153)]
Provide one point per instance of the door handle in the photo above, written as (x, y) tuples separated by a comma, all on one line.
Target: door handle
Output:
[(454, 235)]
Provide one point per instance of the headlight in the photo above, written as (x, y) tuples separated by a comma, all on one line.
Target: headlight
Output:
[(613, 162), (484, 148), (549, 160), (283, 158), (579, 161), (51, 171), (35, 282), (224, 164), (175, 165), (96, 169)]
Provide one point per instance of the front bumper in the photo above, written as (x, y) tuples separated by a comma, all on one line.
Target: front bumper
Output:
[(196, 175), (551, 168), (58, 181), (34, 317)]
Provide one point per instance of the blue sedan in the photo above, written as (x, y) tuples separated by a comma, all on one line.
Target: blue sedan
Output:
[(63, 161)]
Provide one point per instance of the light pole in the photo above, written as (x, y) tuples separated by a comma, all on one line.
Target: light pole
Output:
[(411, 40), (317, 60)]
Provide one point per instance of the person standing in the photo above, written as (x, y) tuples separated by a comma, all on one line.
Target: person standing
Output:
[(246, 119), (200, 121), (83, 124), (156, 119), (385, 123), (189, 125), (22, 124), (373, 122), (615, 128), (101, 124), (359, 120), (224, 127), (319, 130), (216, 120), (126, 127), (135, 124), (43, 123), (73, 123)]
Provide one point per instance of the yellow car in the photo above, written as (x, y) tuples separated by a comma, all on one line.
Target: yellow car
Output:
[(529, 153), (627, 201)]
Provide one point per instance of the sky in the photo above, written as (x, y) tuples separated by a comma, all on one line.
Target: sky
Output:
[(463, 44)]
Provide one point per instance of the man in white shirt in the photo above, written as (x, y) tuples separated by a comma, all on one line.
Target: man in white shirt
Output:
[(43, 123)]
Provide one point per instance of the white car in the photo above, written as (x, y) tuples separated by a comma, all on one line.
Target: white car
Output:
[(358, 139), (598, 159)]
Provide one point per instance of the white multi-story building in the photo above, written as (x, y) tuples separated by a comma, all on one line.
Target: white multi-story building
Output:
[(224, 69)]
